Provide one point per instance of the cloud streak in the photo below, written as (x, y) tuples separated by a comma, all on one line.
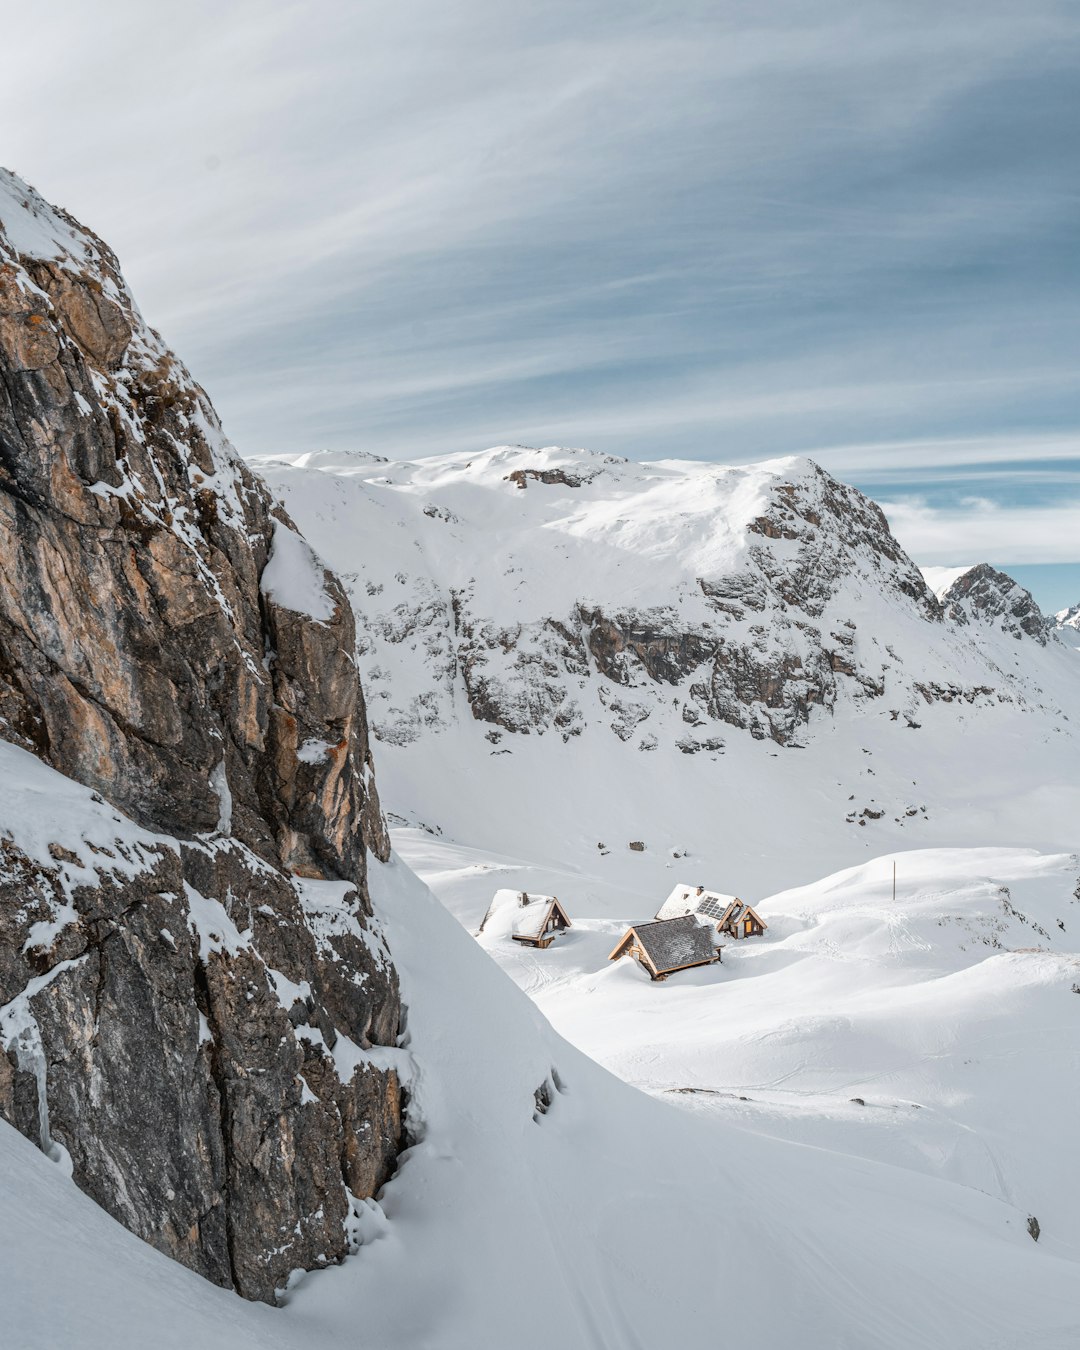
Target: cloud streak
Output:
[(698, 229)]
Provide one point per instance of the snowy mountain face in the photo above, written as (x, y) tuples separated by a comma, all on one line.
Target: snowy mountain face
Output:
[(1067, 621), (197, 895), (987, 598), (676, 628), (557, 590)]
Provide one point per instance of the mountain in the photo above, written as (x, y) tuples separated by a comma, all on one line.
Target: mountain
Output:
[(190, 981), (587, 652), (1068, 618), (986, 598), (596, 679), (257, 1041)]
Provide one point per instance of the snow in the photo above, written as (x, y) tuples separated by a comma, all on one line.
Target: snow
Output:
[(529, 922), (639, 529), (219, 781), (686, 900), (212, 926), (294, 577), (33, 227), (939, 579), (616, 1202), (426, 548), (1068, 619), (313, 752)]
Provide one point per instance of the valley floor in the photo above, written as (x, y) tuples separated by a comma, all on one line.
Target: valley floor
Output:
[(938, 1032), (613, 1221)]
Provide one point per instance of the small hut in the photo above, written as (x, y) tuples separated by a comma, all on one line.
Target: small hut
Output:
[(667, 945), (740, 920), (731, 915), (538, 919)]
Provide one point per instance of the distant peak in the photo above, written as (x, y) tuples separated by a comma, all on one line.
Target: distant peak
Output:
[(983, 594)]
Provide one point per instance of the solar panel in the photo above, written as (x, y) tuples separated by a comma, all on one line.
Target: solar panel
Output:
[(710, 907)]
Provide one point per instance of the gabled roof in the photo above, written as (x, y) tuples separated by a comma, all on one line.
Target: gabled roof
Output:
[(738, 911), (671, 944), (531, 919), (686, 900)]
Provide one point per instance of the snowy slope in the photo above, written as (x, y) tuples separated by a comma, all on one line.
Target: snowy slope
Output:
[(935, 1033), (610, 1208)]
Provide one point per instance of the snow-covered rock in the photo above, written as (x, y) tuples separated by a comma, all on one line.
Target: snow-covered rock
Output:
[(983, 595), (1068, 618)]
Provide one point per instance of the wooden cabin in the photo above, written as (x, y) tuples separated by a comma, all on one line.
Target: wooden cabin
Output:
[(732, 915), (538, 919), (740, 920), (667, 945)]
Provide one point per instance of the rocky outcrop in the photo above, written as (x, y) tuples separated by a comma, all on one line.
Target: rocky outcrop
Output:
[(550, 477), (983, 595), (195, 1008)]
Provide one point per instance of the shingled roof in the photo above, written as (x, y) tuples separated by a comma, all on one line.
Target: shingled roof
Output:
[(670, 944)]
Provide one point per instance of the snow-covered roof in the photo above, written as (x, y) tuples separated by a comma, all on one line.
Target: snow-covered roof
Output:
[(531, 918), (695, 900), (671, 944)]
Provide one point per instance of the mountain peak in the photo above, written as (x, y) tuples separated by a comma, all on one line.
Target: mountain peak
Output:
[(1068, 618), (984, 595)]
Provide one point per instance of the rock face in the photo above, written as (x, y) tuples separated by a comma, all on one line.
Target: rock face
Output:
[(192, 986), (983, 595)]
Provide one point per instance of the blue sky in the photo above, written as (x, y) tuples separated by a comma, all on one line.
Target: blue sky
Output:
[(720, 231)]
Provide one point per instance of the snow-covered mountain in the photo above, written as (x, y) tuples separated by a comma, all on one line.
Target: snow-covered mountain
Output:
[(988, 599), (586, 652), (252, 1038), (1067, 622)]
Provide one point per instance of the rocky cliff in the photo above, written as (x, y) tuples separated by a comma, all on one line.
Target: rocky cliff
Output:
[(192, 995)]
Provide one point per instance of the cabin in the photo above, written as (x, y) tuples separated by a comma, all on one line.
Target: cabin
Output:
[(732, 915), (537, 919), (667, 945), (740, 920)]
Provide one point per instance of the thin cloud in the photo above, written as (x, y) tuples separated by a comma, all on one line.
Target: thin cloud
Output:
[(980, 530), (698, 230)]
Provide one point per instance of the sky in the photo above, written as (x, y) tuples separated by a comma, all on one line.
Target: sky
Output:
[(722, 231)]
